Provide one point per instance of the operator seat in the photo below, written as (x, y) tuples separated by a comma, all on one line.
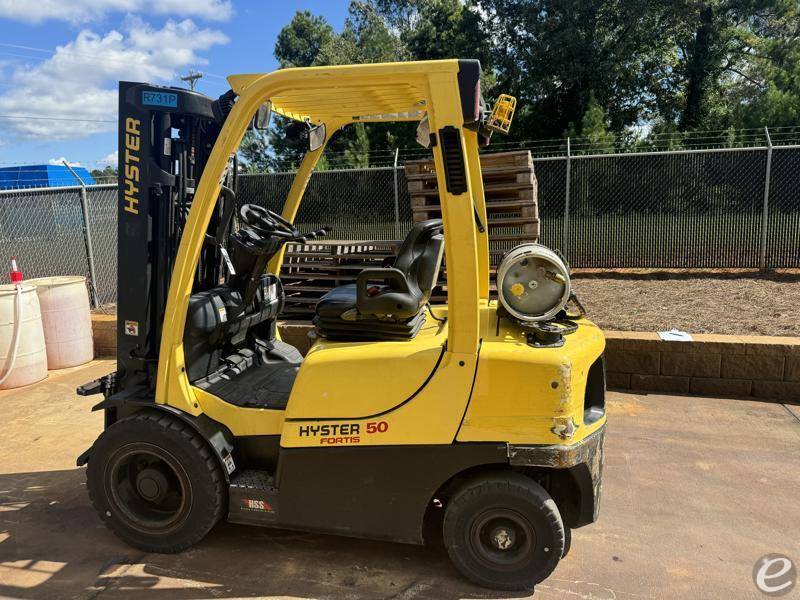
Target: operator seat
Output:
[(386, 303)]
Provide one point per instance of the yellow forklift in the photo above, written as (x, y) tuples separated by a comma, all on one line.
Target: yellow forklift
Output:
[(480, 421)]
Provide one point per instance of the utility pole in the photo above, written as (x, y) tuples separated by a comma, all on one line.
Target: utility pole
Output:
[(192, 78)]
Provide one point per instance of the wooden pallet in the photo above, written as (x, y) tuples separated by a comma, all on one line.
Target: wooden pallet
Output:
[(510, 189), (309, 271)]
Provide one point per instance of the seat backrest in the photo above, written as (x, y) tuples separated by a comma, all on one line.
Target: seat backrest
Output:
[(420, 256)]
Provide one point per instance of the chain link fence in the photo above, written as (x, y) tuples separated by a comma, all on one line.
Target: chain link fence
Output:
[(102, 205), (782, 210), (358, 204), (44, 229), (693, 210), (724, 208)]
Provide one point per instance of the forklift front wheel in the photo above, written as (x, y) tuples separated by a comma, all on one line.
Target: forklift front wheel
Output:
[(155, 482), (504, 532)]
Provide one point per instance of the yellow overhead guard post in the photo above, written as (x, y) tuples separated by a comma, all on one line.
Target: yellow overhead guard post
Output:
[(337, 95)]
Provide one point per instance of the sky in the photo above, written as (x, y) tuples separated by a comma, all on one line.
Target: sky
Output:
[(62, 59)]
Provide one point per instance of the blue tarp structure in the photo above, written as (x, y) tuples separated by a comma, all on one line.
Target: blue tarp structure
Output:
[(29, 176)]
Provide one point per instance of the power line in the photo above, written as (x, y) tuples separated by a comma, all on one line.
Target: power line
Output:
[(212, 84), (147, 62), (85, 55), (72, 52), (80, 54), (18, 47), (75, 119), (538, 147)]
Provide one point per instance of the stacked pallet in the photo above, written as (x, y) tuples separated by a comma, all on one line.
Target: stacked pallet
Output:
[(310, 271), (510, 190)]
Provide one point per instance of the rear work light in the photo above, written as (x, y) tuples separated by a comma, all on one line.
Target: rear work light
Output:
[(502, 114)]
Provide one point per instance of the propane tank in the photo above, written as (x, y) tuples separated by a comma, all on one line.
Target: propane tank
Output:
[(533, 283)]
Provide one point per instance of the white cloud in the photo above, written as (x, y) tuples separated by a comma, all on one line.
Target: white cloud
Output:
[(211, 10), (84, 11), (110, 160), (175, 45), (60, 161), (80, 80)]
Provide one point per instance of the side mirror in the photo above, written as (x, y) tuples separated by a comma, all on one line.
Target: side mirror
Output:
[(316, 137), (262, 117), (303, 136)]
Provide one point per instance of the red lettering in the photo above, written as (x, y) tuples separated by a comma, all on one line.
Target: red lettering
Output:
[(329, 441), (377, 427)]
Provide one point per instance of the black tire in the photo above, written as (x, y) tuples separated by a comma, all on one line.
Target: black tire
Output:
[(504, 508), (155, 482)]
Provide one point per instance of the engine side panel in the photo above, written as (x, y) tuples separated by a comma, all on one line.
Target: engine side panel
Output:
[(528, 395)]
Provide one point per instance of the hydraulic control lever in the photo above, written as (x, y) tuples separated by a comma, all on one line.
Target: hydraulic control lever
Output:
[(300, 238), (313, 235)]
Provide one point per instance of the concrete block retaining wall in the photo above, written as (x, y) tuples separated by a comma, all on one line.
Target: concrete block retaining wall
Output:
[(711, 365), (104, 331)]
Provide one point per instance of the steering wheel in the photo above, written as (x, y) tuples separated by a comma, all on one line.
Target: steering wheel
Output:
[(265, 220)]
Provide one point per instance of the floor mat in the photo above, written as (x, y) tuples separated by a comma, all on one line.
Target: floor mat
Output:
[(261, 386)]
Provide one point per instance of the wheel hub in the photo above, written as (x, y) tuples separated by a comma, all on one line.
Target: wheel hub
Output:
[(503, 538), (148, 488), (152, 484)]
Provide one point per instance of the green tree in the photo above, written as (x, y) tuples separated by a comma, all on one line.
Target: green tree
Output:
[(356, 153), (602, 69), (594, 129), (377, 31), (105, 175), (768, 91), (436, 29), (776, 106), (366, 38), (254, 152), (555, 55), (728, 51), (299, 43)]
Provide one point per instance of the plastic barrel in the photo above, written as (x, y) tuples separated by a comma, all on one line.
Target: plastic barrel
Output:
[(30, 364), (67, 320)]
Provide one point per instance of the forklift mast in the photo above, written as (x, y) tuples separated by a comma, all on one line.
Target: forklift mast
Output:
[(165, 138)]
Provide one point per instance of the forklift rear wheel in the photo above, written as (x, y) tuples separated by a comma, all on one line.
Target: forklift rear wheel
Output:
[(155, 483), (504, 532)]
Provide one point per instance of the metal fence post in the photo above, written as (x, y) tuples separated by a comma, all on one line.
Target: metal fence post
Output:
[(566, 200), (87, 238), (396, 198), (762, 255)]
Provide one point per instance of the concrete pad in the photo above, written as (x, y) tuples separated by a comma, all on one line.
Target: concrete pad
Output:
[(695, 491)]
